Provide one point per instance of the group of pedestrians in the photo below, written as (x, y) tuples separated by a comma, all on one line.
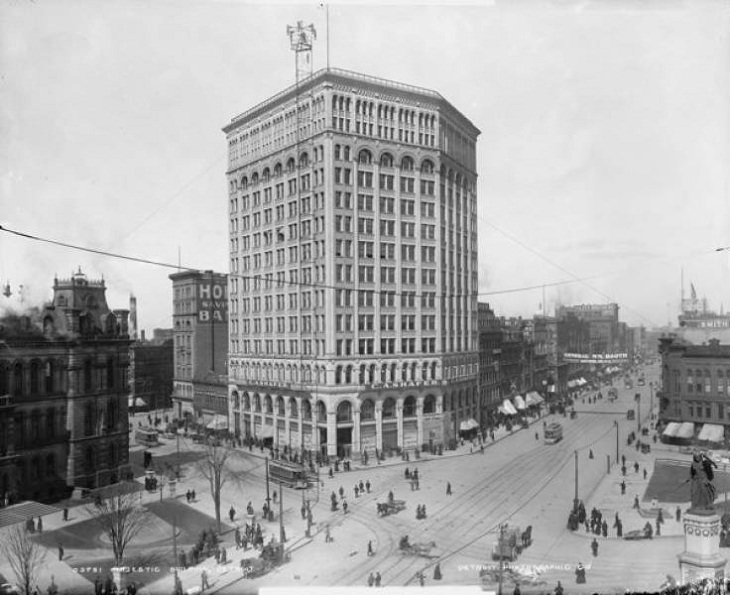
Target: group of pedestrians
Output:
[(361, 488), (252, 535), (598, 525), (412, 476), (374, 580), (190, 496), (31, 526)]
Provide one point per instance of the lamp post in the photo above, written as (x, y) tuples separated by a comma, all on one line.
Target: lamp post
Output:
[(502, 528), (615, 422), (637, 398), (651, 400)]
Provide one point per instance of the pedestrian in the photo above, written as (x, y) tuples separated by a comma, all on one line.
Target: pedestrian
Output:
[(619, 529), (623, 487), (636, 502), (623, 460), (361, 486), (371, 579), (678, 514), (437, 572), (580, 574), (327, 536), (590, 453), (421, 578), (517, 589), (558, 589), (658, 527), (60, 552), (636, 467), (370, 548), (623, 470), (344, 506), (356, 492), (367, 486), (604, 528), (303, 511), (237, 538), (97, 586), (537, 436), (644, 472), (377, 579), (342, 492), (660, 516), (65, 514), (183, 560), (448, 488), (178, 585), (232, 513), (204, 580), (192, 495), (39, 526), (223, 555)]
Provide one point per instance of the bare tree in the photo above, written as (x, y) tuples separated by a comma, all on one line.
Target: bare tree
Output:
[(216, 468), (121, 516), (24, 555)]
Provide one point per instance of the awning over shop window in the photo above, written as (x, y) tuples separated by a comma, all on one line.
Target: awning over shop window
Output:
[(509, 407), (712, 433), (671, 429), (686, 430), (218, 423), (582, 382), (572, 383), (469, 424), (533, 398), (520, 402), (136, 402)]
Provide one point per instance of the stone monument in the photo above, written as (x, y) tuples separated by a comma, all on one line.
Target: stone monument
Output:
[(701, 556)]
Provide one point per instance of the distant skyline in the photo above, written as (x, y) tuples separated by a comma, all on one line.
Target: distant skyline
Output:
[(603, 155)]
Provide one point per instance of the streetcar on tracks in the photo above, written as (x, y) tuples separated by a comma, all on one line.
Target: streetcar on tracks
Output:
[(553, 433), (291, 475)]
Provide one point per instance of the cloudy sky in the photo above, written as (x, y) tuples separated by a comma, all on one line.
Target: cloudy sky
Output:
[(603, 159)]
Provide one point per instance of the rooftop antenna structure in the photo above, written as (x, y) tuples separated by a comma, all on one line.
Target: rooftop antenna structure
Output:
[(301, 38)]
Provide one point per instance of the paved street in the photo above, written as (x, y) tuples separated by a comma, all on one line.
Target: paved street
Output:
[(517, 480)]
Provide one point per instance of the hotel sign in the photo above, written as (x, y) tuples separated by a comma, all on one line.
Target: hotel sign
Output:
[(212, 302)]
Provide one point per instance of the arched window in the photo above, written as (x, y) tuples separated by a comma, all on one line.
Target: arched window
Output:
[(280, 409), (344, 412), (409, 407), (321, 412), (393, 370), (365, 157), (429, 404), (18, 384), (338, 375), (35, 377), (303, 160), (265, 175), (257, 403), (427, 166), (348, 375), (361, 375), (386, 160), (255, 178), (290, 165), (246, 402), (406, 163), (389, 408), (404, 372), (307, 410), (268, 406), (244, 182), (293, 409), (384, 373), (236, 398), (367, 410)]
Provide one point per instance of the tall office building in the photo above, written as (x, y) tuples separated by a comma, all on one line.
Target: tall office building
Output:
[(200, 343), (353, 261)]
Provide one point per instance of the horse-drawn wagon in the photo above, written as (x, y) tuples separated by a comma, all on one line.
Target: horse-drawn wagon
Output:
[(416, 549), (272, 555), (390, 507)]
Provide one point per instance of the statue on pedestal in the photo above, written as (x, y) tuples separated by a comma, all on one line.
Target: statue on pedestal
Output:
[(702, 489)]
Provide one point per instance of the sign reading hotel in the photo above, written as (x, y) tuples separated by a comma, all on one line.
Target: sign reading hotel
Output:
[(212, 302), (596, 358)]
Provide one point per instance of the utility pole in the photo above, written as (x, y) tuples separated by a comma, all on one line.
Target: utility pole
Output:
[(282, 534), (502, 528), (637, 398), (615, 422), (575, 499), (268, 499)]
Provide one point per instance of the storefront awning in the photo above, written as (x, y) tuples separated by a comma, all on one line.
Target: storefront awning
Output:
[(469, 424), (712, 433), (533, 398), (218, 423), (509, 407), (572, 383), (267, 432), (686, 430), (136, 402), (582, 382), (520, 402), (671, 429)]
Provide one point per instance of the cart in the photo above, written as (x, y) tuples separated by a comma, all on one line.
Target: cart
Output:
[(392, 507)]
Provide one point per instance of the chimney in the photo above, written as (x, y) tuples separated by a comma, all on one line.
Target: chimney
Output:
[(142, 335), (132, 317)]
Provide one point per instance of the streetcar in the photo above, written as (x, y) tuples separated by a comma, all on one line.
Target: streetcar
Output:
[(291, 475), (146, 436), (553, 433)]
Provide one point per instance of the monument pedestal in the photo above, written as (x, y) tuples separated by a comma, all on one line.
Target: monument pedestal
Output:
[(701, 556)]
